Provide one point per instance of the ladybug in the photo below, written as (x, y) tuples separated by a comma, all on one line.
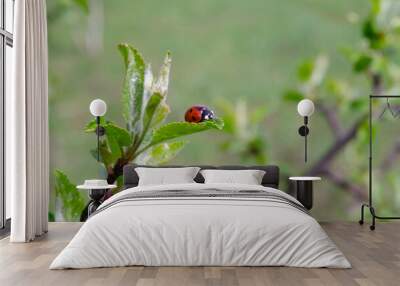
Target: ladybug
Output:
[(198, 113)]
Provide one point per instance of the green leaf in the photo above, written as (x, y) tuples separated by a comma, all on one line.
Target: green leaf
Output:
[(305, 70), (164, 152), (375, 37), (106, 156), (115, 139), (362, 63), (162, 82), (375, 6), (358, 104), (113, 146), (148, 82), (258, 114), (293, 95), (83, 4), (336, 87), (369, 30), (380, 64), (72, 200), (256, 149), (321, 64), (151, 107), (178, 129), (160, 114), (122, 136), (92, 125), (51, 217), (120, 181), (133, 87)]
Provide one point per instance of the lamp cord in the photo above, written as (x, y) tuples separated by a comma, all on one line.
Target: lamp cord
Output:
[(98, 138), (305, 137), (305, 148)]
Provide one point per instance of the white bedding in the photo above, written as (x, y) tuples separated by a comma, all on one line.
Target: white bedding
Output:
[(200, 231)]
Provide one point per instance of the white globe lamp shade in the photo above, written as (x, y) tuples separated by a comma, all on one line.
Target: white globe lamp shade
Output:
[(98, 107), (305, 107)]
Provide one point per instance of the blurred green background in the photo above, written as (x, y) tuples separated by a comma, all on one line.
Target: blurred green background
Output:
[(222, 51)]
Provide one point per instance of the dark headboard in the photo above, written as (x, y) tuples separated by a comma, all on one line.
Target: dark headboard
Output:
[(271, 177)]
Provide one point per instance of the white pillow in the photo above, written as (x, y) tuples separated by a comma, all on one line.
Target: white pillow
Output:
[(248, 177), (163, 176)]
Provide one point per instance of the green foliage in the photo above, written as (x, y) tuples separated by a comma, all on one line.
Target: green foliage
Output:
[(358, 104), (160, 88), (371, 32), (152, 105), (72, 200), (311, 74), (305, 70), (162, 153), (92, 125), (145, 139), (116, 141), (362, 63), (118, 135), (51, 217), (177, 129), (83, 4), (293, 95), (133, 87), (56, 9), (244, 133), (162, 82), (160, 114)]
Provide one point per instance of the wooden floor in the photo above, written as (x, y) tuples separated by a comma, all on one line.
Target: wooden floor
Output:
[(375, 257)]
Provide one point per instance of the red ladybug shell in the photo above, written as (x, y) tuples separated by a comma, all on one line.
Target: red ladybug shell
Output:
[(198, 113), (194, 114)]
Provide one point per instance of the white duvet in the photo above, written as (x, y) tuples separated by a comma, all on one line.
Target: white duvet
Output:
[(200, 231)]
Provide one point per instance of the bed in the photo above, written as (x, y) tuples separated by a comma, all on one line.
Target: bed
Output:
[(198, 224)]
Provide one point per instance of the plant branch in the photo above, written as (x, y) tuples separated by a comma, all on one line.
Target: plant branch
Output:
[(377, 83), (140, 151), (323, 165), (339, 144), (331, 118), (342, 182)]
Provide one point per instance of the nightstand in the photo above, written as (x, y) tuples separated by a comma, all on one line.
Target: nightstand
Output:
[(304, 190), (97, 189)]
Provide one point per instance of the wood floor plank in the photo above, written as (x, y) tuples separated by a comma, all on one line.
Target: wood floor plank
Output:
[(375, 257)]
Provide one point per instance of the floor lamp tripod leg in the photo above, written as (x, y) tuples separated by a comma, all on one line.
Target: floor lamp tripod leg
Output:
[(372, 210), (361, 221)]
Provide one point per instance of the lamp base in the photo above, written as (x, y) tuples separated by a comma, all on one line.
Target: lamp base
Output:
[(100, 130), (96, 195), (304, 130)]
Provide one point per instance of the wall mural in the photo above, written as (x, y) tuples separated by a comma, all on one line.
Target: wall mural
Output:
[(250, 62)]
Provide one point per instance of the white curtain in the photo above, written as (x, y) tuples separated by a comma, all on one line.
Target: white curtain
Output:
[(27, 141)]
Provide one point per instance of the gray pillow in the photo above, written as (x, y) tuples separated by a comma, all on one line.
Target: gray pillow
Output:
[(247, 177), (164, 176)]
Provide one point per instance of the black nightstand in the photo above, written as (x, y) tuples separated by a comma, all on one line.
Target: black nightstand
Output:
[(304, 190)]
